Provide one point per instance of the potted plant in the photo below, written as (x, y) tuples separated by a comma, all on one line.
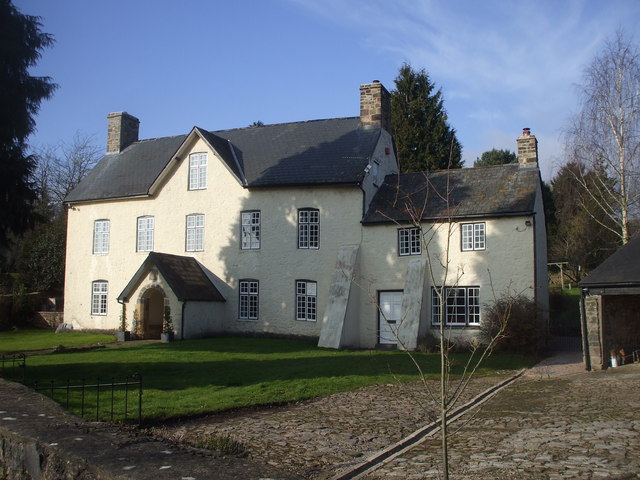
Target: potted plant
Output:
[(122, 335), (167, 326)]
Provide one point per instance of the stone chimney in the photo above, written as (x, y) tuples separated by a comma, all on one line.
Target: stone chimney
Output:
[(122, 131), (527, 149), (375, 105)]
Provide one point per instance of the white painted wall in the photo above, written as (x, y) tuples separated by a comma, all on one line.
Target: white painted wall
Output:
[(276, 265), (507, 263)]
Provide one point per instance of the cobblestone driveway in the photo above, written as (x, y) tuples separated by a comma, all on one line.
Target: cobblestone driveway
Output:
[(583, 426), (553, 423)]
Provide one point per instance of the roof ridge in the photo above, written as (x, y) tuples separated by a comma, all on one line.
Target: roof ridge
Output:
[(249, 127)]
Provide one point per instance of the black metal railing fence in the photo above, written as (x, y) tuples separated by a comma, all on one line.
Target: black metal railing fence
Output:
[(109, 400)]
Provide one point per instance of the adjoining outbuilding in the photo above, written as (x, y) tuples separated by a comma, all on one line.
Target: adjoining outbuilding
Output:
[(610, 309)]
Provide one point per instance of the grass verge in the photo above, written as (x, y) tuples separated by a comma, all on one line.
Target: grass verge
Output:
[(33, 340)]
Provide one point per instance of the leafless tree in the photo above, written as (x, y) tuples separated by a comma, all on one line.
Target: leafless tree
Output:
[(61, 167), (605, 135), (435, 237)]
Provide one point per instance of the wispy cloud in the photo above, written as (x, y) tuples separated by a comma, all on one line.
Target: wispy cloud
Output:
[(497, 62)]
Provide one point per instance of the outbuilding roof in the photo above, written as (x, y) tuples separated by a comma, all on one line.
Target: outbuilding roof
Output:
[(333, 151), (183, 274), (503, 190), (621, 269)]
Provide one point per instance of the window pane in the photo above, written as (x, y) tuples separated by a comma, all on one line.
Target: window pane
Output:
[(479, 236), (309, 228), (467, 236), (197, 171), (306, 300), (195, 233), (101, 236), (409, 241), (99, 298), (248, 300), (250, 231)]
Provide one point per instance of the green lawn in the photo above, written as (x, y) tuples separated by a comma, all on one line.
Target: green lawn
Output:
[(32, 340), (197, 376)]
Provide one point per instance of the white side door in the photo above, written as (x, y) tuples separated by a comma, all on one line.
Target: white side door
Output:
[(389, 317)]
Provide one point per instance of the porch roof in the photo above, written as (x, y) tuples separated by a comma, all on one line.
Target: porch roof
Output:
[(185, 276)]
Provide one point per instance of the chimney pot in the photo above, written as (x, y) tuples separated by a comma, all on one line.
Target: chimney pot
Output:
[(527, 149)]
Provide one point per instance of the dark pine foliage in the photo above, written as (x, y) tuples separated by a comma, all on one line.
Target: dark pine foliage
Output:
[(424, 139), (21, 43)]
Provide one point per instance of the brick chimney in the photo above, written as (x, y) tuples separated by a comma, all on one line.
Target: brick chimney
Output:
[(375, 105), (122, 131), (527, 149)]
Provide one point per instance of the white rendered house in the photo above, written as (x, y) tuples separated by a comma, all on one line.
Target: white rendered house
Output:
[(292, 229)]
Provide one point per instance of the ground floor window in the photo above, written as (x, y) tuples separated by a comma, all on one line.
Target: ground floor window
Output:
[(100, 289), (462, 306), (306, 300), (249, 299)]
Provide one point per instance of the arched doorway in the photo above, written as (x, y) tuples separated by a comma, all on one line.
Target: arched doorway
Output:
[(152, 313)]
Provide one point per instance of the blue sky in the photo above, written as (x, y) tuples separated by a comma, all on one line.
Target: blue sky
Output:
[(502, 65)]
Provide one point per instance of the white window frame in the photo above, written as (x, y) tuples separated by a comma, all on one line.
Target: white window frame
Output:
[(306, 300), (144, 233), (99, 297), (194, 235), (248, 299), (250, 236), (198, 163), (309, 228), (101, 230), (463, 306), (473, 236), (409, 241)]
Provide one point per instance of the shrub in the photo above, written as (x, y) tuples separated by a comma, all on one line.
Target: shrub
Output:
[(518, 316)]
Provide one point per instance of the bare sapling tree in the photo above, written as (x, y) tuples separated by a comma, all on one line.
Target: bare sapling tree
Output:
[(444, 275), (604, 136), (61, 167)]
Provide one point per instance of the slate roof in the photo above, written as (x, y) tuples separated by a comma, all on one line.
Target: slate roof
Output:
[(472, 192), (621, 269), (333, 151), (183, 274)]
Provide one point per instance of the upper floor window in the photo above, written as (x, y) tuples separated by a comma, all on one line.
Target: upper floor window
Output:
[(197, 171), (462, 306), (309, 228), (145, 234), (99, 291), (473, 236), (306, 300), (250, 233), (101, 236), (409, 241), (249, 299), (195, 233)]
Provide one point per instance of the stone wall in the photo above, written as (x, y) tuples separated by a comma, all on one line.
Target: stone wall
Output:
[(593, 310)]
